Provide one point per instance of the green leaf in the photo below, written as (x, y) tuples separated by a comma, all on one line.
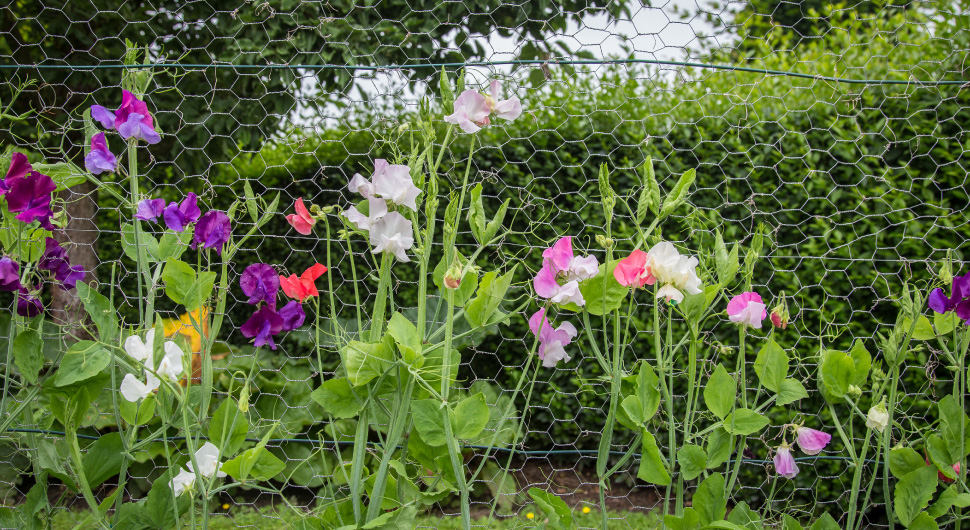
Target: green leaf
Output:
[(924, 329), (710, 500), (862, 361), (426, 414), (469, 417), (836, 373), (554, 508), (83, 360), (338, 399), (678, 195), (229, 427), (913, 493), (496, 223), (825, 522), (64, 174), (648, 392), (790, 523), (904, 460), (947, 500), (364, 361), (28, 354), (727, 262), (945, 323), (139, 412), (720, 392), (952, 418), (491, 294), (103, 459), (743, 517), (180, 279), (250, 200), (600, 298), (146, 240), (258, 462), (771, 365), (476, 214), (99, 308), (173, 244), (160, 501), (689, 521), (653, 467), (692, 461), (405, 334), (791, 391), (719, 446), (695, 305), (923, 521), (941, 454), (744, 422)]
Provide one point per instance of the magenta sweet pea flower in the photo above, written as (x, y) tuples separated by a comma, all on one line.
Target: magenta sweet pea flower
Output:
[(9, 274), (150, 209), (959, 299), (293, 315), (784, 462), (132, 119), (262, 326), (28, 304), (135, 127), (29, 196), (552, 341), (260, 283), (99, 159), (55, 260), (19, 167), (561, 272), (212, 231), (810, 441), (178, 215), (747, 309)]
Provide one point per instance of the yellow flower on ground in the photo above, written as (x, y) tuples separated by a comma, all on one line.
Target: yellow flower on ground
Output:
[(585, 509), (225, 506), (530, 515)]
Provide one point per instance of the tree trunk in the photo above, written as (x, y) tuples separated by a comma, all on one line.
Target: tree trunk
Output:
[(80, 238)]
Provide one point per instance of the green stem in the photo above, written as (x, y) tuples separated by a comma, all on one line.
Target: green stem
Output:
[(357, 464), (141, 261), (664, 392), (741, 369), (857, 480), (454, 453), (394, 433)]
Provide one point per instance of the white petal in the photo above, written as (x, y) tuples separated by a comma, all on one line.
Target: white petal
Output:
[(184, 480), (208, 459), (133, 390), (583, 268), (568, 293), (359, 184), (137, 349), (670, 293), (171, 365)]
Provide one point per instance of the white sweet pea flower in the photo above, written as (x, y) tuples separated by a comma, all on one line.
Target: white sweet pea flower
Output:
[(134, 390), (138, 350), (878, 417), (171, 365), (183, 481), (392, 233), (377, 208), (394, 184), (361, 185), (207, 457), (674, 270)]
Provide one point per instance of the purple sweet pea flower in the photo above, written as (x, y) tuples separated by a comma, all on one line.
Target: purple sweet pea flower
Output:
[(9, 274), (103, 116), (177, 216), (260, 283), (293, 315), (212, 231), (19, 167), (28, 305), (135, 127), (150, 209), (99, 159), (132, 119), (262, 326), (959, 299), (55, 260), (30, 196), (811, 441)]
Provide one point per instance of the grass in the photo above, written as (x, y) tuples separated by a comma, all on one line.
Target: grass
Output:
[(273, 519)]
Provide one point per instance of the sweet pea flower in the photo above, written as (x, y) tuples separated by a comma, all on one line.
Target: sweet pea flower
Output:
[(99, 159), (212, 231), (303, 287), (260, 283), (138, 349), (552, 341), (675, 271), (959, 299), (747, 309), (293, 315), (359, 184), (170, 366), (29, 196), (132, 119), (302, 221), (472, 109), (878, 417), (784, 462), (28, 304), (811, 441), (55, 260), (507, 109), (9, 274), (561, 272), (178, 215), (183, 482), (376, 209), (150, 209), (262, 326), (19, 167), (394, 183), (207, 457), (634, 270), (393, 234), (134, 390)]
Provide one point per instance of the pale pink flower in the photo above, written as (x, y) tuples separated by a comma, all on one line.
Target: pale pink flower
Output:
[(394, 234), (552, 341), (747, 309), (471, 111), (784, 462), (561, 272), (377, 208), (811, 441)]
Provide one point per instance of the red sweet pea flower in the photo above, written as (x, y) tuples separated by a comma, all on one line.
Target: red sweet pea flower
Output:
[(302, 221), (301, 288)]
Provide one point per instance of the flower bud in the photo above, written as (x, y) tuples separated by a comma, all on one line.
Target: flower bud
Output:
[(854, 391), (779, 314), (878, 417), (946, 271), (244, 399), (453, 276), (604, 241)]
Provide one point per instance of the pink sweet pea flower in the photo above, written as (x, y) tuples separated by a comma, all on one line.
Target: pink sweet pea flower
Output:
[(301, 220), (747, 309), (561, 272), (552, 341), (471, 111), (507, 109), (784, 462), (634, 270), (811, 441)]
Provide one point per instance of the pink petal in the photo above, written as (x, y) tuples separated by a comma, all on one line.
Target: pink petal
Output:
[(300, 224), (560, 253), (629, 269), (785, 463), (741, 301), (545, 281), (811, 441)]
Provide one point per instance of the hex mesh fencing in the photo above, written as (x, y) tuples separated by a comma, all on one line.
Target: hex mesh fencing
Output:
[(837, 131)]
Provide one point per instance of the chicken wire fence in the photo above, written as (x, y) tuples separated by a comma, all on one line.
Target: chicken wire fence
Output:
[(837, 131)]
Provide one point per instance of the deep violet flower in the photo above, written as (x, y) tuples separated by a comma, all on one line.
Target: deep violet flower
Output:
[(262, 326), (747, 309), (959, 299), (100, 159), (9, 274), (132, 119), (293, 315), (178, 215), (212, 231), (55, 260), (150, 209), (260, 283), (28, 305), (29, 196), (19, 167), (811, 441)]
